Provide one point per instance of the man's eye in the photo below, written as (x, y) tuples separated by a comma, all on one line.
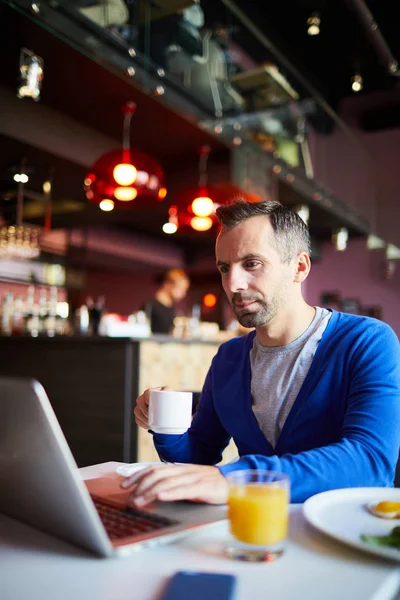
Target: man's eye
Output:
[(252, 264), (224, 269)]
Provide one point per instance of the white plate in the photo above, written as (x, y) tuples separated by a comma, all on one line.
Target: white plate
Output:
[(342, 515)]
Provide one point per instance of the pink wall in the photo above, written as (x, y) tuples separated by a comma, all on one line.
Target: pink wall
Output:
[(364, 174), (347, 170), (125, 292), (356, 273)]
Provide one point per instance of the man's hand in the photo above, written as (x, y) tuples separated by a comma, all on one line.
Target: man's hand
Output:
[(198, 483), (141, 411)]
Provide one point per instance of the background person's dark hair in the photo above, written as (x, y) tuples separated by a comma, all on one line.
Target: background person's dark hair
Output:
[(291, 233)]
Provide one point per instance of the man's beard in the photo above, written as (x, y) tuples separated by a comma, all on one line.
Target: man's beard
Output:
[(257, 318)]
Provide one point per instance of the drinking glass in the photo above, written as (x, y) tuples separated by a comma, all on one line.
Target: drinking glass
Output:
[(258, 506)]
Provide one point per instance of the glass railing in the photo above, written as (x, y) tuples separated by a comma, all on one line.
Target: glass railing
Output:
[(209, 60)]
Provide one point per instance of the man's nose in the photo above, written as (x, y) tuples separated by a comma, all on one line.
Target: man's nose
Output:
[(237, 280)]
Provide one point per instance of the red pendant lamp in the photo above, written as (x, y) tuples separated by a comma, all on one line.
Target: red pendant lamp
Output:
[(121, 176), (196, 206)]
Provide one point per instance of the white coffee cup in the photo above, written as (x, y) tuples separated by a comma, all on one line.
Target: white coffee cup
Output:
[(170, 411)]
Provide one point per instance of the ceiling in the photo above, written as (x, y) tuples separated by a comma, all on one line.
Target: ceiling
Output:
[(330, 59), (93, 96)]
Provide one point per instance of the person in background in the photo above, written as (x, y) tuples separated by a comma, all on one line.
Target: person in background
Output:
[(311, 392), (161, 310)]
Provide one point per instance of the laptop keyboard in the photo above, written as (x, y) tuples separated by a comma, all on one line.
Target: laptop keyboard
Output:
[(122, 524)]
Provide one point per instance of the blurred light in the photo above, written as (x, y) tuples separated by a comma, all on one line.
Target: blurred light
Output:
[(21, 178), (237, 141), (390, 269), (162, 192), (47, 187), (304, 212), (170, 228), (218, 129), (314, 24), (63, 309), (131, 71), (237, 126), (203, 206), (276, 169), (89, 179), (317, 196), (159, 91), (290, 177), (153, 183), (132, 52), (35, 7), (107, 205), (142, 178), (392, 252), (161, 72), (201, 223), (357, 83), (125, 194), (125, 174), (375, 243), (30, 74), (210, 300), (340, 239)]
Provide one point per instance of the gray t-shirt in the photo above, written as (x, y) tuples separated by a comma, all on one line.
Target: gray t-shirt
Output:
[(277, 374)]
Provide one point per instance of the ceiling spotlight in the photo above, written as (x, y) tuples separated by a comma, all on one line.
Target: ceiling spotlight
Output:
[(340, 239), (357, 82), (314, 24)]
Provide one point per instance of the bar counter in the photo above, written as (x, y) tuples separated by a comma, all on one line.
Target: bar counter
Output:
[(92, 383)]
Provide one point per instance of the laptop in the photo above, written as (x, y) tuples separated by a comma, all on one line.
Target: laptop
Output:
[(41, 485)]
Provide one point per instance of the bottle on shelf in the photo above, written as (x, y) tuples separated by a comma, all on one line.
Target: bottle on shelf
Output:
[(50, 322), (7, 314), (43, 311), (17, 319), (29, 305), (95, 314)]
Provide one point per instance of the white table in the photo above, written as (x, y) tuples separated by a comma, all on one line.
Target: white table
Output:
[(35, 565)]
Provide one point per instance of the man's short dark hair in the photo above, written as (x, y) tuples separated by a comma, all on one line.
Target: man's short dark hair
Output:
[(291, 233)]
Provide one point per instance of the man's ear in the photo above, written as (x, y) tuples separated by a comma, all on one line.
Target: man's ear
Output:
[(303, 266)]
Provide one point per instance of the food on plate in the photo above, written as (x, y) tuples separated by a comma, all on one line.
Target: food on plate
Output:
[(392, 539), (385, 510)]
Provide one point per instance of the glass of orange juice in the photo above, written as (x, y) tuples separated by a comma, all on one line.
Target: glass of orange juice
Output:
[(258, 506)]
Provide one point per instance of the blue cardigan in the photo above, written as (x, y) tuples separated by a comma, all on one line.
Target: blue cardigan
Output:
[(342, 431)]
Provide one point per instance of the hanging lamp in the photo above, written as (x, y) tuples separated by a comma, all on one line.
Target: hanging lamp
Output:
[(194, 208), (121, 176), (197, 205)]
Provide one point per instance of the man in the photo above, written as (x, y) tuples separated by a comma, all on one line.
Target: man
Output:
[(312, 393), (161, 310)]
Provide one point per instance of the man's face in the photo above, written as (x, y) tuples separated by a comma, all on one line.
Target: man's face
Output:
[(258, 284), (178, 289)]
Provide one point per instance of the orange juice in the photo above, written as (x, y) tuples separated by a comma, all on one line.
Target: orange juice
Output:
[(258, 514)]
